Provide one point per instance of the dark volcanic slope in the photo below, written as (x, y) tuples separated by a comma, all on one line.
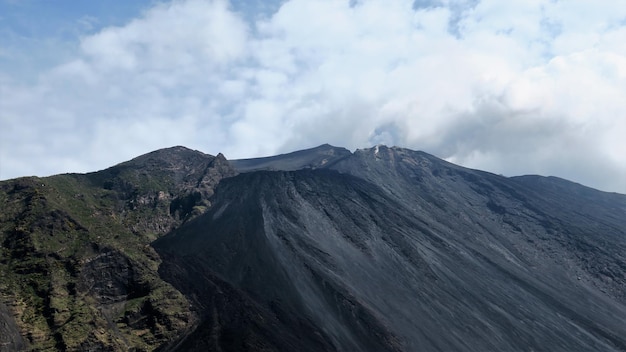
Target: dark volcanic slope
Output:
[(322, 156), (398, 250)]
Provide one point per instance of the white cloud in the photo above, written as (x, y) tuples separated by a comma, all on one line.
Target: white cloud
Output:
[(511, 87)]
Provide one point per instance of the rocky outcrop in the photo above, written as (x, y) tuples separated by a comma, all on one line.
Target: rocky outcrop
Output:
[(111, 277), (194, 199), (10, 337)]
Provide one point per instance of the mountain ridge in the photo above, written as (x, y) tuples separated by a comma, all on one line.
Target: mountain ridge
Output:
[(320, 156)]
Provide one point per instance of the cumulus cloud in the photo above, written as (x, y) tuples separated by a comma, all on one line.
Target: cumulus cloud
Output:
[(512, 87)]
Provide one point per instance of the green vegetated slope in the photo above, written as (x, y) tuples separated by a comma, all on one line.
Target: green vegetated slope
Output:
[(76, 268)]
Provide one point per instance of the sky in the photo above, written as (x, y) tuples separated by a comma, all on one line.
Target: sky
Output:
[(512, 87)]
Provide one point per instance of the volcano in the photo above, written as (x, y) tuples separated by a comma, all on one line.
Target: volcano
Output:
[(381, 249)]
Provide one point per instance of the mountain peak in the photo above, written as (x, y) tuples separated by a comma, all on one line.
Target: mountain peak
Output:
[(173, 154), (375, 150)]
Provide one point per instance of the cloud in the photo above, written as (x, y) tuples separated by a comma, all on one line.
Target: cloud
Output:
[(512, 87)]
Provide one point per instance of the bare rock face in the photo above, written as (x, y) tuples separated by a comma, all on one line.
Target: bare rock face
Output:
[(194, 197), (110, 277), (10, 337)]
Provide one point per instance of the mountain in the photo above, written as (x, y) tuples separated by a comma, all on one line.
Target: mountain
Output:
[(320, 157), (77, 271), (383, 249)]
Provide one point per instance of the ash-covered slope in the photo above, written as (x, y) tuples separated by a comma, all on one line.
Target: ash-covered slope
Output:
[(389, 249), (319, 157)]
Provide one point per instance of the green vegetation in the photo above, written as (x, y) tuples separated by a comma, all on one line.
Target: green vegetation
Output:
[(55, 230)]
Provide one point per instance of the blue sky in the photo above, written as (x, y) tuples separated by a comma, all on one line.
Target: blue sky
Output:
[(515, 87), (38, 34)]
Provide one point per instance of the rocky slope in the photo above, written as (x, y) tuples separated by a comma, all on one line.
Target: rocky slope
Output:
[(76, 266), (323, 156), (383, 249)]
